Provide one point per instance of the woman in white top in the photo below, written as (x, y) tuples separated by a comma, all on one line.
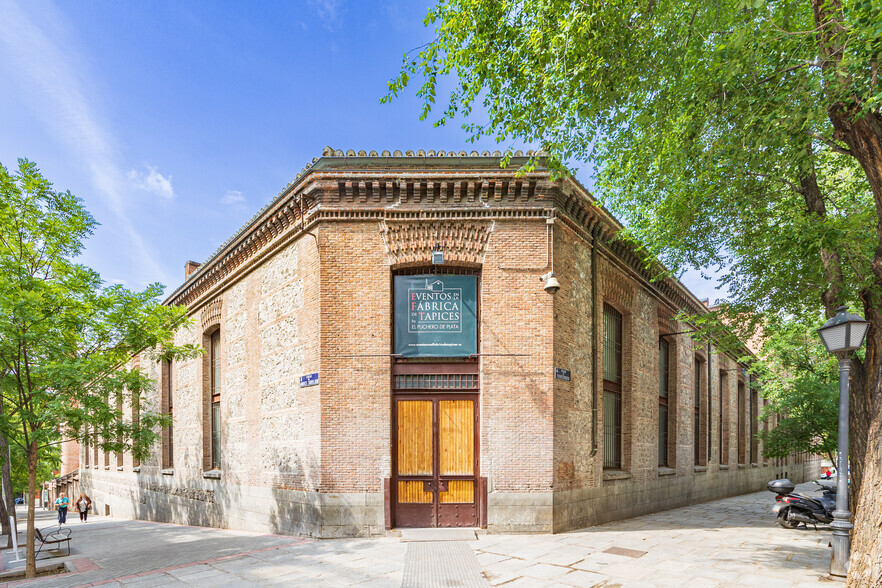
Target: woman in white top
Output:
[(84, 503)]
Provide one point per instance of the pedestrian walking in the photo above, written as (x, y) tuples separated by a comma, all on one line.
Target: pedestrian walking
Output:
[(44, 497), (84, 503), (62, 502)]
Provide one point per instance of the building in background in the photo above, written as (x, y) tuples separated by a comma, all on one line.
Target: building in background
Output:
[(381, 351), (68, 477)]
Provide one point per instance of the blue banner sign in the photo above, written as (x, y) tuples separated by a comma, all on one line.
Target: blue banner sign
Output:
[(309, 380), (436, 316)]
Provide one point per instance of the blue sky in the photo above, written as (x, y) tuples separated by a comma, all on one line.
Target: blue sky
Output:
[(176, 121)]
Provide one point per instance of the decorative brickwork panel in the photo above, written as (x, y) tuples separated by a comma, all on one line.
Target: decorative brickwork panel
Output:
[(413, 243), (211, 314)]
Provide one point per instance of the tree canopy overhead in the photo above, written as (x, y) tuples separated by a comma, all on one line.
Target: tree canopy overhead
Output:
[(687, 112), (744, 134)]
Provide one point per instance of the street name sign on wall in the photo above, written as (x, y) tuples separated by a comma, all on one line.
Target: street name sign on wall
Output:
[(436, 316), (309, 380), (562, 374)]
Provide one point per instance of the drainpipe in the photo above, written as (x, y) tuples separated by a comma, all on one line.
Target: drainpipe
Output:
[(594, 343)]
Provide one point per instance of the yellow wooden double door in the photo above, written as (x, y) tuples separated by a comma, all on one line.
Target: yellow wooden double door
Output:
[(435, 461)]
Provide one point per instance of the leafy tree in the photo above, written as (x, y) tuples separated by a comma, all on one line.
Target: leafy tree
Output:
[(50, 460), (801, 382), (744, 134), (66, 339)]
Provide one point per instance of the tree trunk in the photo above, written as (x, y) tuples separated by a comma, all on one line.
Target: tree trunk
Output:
[(5, 491), (865, 567), (862, 132), (7, 504), (4, 521), (6, 479), (864, 138), (33, 460)]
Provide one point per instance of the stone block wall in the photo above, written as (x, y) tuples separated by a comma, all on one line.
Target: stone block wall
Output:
[(271, 434)]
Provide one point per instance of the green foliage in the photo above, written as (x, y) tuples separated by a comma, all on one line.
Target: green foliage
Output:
[(800, 379), (50, 461), (706, 123), (67, 339), (68, 342)]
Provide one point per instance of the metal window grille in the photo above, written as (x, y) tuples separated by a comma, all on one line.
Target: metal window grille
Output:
[(741, 402), (215, 400), (440, 270), (119, 437), (663, 352), (170, 431), (696, 429), (766, 425), (724, 446), (612, 345), (663, 381), (612, 392), (436, 381), (754, 416), (136, 421), (215, 435), (171, 446), (612, 429), (662, 435), (709, 409)]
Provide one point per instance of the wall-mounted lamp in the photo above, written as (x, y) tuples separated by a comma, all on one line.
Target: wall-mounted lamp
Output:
[(551, 283)]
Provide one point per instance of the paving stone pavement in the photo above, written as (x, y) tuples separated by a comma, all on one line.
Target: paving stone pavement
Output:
[(730, 542)]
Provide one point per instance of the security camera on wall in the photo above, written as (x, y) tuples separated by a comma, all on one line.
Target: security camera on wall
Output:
[(551, 283)]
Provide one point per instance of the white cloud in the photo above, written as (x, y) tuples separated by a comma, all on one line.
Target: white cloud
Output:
[(152, 181), (55, 92), (233, 197), (327, 10)]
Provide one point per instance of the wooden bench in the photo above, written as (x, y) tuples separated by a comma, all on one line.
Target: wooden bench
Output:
[(54, 537)]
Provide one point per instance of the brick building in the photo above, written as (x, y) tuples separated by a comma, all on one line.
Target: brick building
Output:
[(67, 479), (355, 381)]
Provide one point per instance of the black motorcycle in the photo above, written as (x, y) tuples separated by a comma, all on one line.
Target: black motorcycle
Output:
[(795, 509)]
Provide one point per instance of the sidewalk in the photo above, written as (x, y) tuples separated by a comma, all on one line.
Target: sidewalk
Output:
[(731, 542)]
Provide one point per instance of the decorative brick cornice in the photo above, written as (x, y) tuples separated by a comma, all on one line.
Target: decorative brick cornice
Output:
[(331, 152), (463, 242), (419, 190)]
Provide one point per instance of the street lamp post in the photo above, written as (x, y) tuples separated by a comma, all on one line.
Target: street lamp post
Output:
[(841, 334)]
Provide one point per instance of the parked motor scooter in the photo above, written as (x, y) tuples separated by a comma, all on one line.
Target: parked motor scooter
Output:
[(795, 509)]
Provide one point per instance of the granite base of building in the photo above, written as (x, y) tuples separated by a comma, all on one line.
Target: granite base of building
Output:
[(213, 503), (520, 512), (625, 498)]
